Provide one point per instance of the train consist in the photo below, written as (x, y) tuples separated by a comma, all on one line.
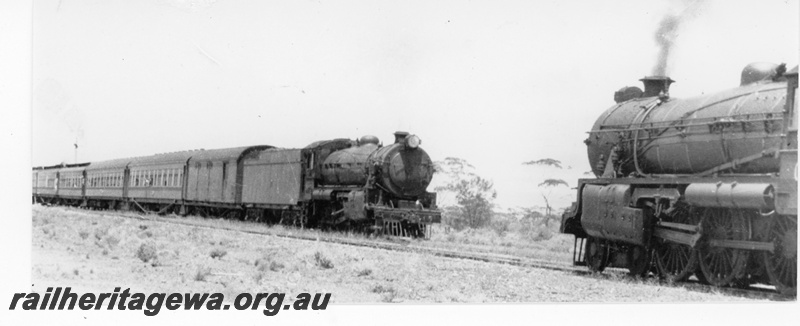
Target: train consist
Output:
[(356, 184), (703, 186)]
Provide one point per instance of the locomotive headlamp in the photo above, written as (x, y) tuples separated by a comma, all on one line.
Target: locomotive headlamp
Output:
[(412, 141)]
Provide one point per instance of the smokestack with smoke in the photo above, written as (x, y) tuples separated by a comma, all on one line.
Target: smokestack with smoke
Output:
[(668, 32), (665, 38)]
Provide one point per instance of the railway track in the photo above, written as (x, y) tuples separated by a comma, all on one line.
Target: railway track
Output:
[(610, 273)]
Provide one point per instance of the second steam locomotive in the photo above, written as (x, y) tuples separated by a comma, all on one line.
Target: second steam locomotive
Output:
[(355, 184), (704, 186)]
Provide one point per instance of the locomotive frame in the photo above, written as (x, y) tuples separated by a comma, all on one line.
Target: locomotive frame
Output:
[(729, 225), (262, 183)]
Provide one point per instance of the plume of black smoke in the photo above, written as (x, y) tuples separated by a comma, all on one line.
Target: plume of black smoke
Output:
[(665, 37), (668, 32)]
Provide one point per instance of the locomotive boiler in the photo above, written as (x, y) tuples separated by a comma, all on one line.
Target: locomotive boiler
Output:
[(703, 186)]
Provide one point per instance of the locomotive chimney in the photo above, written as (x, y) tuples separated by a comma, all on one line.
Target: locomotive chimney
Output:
[(400, 136), (656, 85)]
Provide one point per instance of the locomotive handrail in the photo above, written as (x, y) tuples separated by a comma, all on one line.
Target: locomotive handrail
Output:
[(653, 125)]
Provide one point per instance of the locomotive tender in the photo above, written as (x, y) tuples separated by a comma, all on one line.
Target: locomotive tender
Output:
[(331, 183), (704, 186)]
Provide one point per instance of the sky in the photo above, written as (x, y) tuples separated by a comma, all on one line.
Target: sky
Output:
[(496, 83)]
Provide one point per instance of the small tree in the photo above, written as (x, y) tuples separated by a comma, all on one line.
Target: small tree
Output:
[(548, 183), (548, 209), (474, 194)]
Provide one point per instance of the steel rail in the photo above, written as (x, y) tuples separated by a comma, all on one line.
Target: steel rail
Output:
[(752, 293)]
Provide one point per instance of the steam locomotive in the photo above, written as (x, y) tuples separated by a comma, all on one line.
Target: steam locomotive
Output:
[(703, 186), (339, 183)]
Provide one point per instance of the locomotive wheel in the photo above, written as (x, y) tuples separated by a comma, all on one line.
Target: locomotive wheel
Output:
[(676, 262), (721, 266), (596, 254), (639, 259), (781, 264)]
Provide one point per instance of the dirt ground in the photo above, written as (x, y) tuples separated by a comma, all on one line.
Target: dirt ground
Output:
[(98, 251)]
